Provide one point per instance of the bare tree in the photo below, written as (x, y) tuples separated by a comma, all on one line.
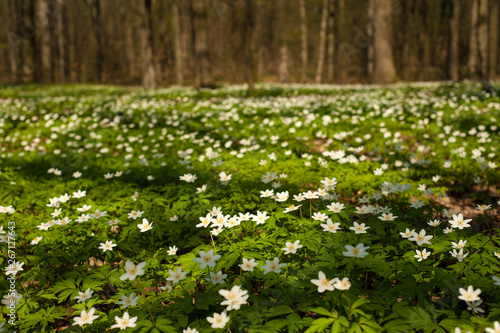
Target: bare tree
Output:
[(71, 36), (13, 46), (493, 42), (330, 41), (473, 50), (95, 10), (482, 31), (148, 68), (43, 29), (200, 27), (60, 45), (339, 63), (454, 25), (284, 57), (176, 21), (370, 30), (322, 39), (248, 44), (303, 39), (384, 71)]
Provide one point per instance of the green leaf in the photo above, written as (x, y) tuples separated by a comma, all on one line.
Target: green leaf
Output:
[(319, 325)]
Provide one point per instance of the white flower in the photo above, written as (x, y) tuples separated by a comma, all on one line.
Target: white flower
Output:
[(358, 251), (145, 226), (132, 271), (459, 222), (176, 276), (459, 255), (126, 321), (168, 287), (12, 269), (135, 214), (420, 238), (190, 330), (172, 250), (470, 294), (85, 318), (224, 177), (459, 245), (330, 226), (323, 282), (97, 214), (11, 298), (84, 208), (387, 217), (235, 297), (207, 259), (329, 184), (201, 189), (260, 218), (281, 196), (36, 240), (343, 284), (131, 300), (494, 330), (107, 246), (218, 320), (248, 265), (273, 266), (319, 217), (422, 255), (291, 208), (216, 278), (188, 178), (292, 247), (335, 207), (266, 193), (407, 234), (82, 297), (359, 228), (79, 194)]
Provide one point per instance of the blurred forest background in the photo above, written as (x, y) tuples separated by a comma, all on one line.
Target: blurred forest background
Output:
[(208, 42)]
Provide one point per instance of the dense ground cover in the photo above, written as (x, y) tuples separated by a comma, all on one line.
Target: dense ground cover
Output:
[(304, 208)]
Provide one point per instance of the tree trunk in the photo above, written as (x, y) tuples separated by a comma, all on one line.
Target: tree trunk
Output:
[(97, 26), (248, 44), (454, 25), (284, 70), (384, 71), (71, 48), (303, 39), (129, 45), (339, 63), (369, 31), (322, 39), (179, 74), (14, 46), (483, 37), (43, 29), (405, 66), (473, 51), (148, 68), (60, 46), (203, 66), (35, 48), (493, 42), (330, 41)]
